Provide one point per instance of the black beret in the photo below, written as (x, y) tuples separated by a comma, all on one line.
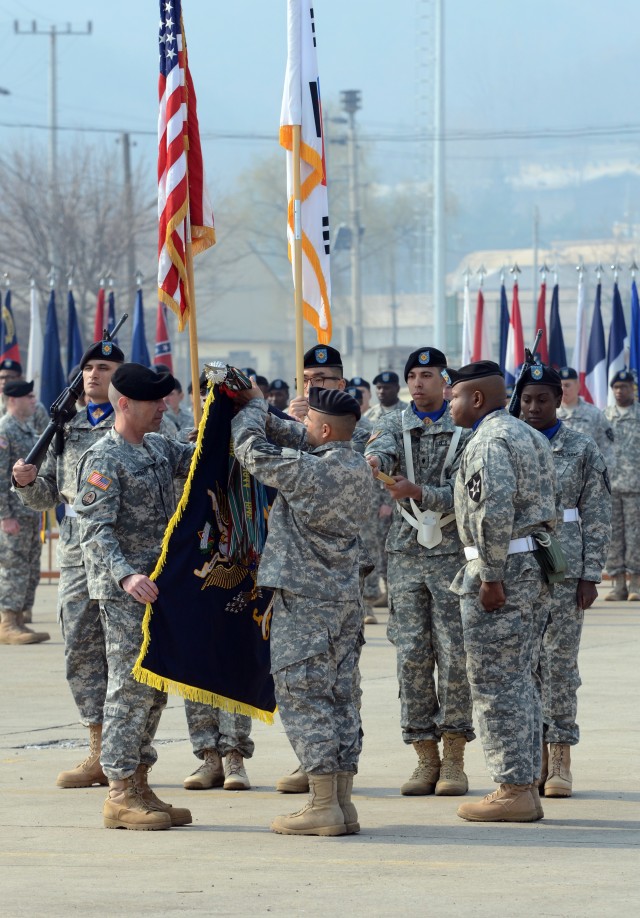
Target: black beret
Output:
[(333, 401), (17, 388), (477, 370), (322, 356), (8, 364), (277, 385), (568, 373), (539, 375), (142, 384), (102, 350), (621, 376), (354, 392), (359, 381), (248, 371), (424, 357), (387, 377)]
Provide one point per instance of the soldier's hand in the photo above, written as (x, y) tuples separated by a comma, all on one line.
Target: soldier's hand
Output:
[(374, 462), (298, 407), (385, 511), (403, 489), (492, 596), (140, 587), (10, 525), (244, 396), (586, 594), (24, 474)]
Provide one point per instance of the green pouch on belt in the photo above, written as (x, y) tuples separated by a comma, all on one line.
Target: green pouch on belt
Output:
[(550, 556)]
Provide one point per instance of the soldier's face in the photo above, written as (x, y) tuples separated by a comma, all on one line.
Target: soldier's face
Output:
[(624, 394), (426, 387), (462, 404), (317, 427), (387, 393), (96, 376), (279, 398), (570, 391), (173, 399), (24, 407), (366, 398), (146, 417), (5, 376), (539, 405)]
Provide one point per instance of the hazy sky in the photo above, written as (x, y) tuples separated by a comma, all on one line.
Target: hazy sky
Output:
[(510, 65)]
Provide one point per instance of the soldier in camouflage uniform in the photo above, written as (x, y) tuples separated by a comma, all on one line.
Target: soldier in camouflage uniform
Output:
[(20, 546), (216, 734), (12, 370), (585, 418), (505, 490), (178, 415), (79, 616), (312, 559), (424, 616), (624, 553), (584, 537), (125, 499)]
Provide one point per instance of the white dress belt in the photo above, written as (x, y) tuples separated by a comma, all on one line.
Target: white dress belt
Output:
[(516, 546), (69, 511), (571, 515)]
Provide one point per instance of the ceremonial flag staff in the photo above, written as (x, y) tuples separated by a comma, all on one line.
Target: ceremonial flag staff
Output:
[(634, 342), (541, 321), (466, 350), (582, 339), (481, 347)]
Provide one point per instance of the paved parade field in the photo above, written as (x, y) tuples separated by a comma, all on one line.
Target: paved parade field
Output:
[(412, 857)]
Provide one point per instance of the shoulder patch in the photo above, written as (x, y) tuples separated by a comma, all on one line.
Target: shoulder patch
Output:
[(99, 481), (88, 498), (474, 487)]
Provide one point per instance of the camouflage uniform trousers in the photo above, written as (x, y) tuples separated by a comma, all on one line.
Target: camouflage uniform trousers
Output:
[(20, 565), (426, 628), (132, 710), (503, 655), (84, 644), (624, 550), (383, 525), (215, 729), (369, 535), (559, 673), (315, 649)]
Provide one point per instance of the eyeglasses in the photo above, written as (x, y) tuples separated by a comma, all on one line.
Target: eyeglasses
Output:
[(317, 381)]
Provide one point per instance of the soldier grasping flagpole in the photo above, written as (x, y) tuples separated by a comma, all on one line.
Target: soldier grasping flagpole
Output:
[(185, 215), (302, 135)]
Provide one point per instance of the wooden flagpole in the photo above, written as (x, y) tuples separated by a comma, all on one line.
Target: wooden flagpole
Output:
[(297, 260)]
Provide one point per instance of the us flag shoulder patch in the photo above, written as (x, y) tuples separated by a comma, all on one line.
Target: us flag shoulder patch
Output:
[(99, 481)]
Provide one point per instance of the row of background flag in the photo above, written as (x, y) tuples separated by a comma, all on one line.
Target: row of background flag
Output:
[(595, 359), (44, 355)]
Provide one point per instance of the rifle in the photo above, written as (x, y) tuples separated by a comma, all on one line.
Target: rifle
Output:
[(514, 404), (63, 410)]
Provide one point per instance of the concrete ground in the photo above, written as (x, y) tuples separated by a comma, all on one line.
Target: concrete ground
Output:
[(412, 857)]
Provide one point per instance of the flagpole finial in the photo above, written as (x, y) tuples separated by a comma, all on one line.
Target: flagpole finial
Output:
[(110, 278), (139, 278), (502, 275), (515, 270), (467, 273), (32, 281), (481, 272), (70, 277), (581, 268), (616, 267), (52, 277), (633, 267), (7, 279), (599, 271)]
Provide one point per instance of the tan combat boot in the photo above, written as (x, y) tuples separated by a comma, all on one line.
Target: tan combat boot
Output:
[(179, 816), (559, 782), (296, 783), (510, 803), (89, 771), (24, 617), (453, 781), (370, 617), (322, 814), (11, 632), (425, 777), (618, 591), (544, 769), (235, 775), (535, 793), (27, 616), (344, 788), (124, 808), (634, 588), (209, 774)]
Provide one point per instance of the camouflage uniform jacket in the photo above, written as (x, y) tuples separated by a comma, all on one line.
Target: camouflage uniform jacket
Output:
[(180, 418), (40, 417), (589, 420), (125, 499), (505, 489), (379, 411), (584, 483), (625, 476), (16, 439), (56, 481), (430, 444), (324, 497)]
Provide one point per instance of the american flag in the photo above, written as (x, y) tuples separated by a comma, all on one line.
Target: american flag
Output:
[(179, 198)]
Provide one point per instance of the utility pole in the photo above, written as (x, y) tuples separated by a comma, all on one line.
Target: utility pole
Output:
[(130, 285), (53, 32), (439, 267), (351, 101)]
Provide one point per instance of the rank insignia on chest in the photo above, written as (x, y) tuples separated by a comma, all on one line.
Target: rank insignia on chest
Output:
[(474, 487), (99, 481)]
